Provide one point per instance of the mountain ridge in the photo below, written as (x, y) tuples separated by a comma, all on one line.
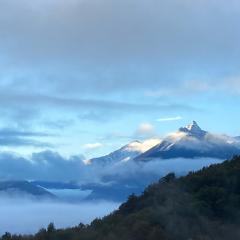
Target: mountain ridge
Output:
[(125, 153), (26, 188), (191, 142)]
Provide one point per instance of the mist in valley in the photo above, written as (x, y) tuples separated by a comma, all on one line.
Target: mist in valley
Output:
[(24, 215)]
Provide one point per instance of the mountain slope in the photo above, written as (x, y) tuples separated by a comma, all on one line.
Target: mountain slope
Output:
[(204, 205), (190, 142), (20, 188), (126, 153)]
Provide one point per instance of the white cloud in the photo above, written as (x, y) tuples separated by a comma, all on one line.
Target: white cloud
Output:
[(149, 143), (145, 129), (51, 166), (166, 119), (143, 146), (91, 146)]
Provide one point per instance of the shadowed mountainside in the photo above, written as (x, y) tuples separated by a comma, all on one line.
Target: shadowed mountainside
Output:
[(20, 188)]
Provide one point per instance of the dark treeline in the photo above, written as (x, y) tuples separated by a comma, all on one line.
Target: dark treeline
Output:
[(204, 205)]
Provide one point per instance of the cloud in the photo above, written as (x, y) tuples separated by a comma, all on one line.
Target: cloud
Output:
[(46, 165), (35, 107), (51, 101), (90, 45), (228, 85), (92, 146), (17, 138), (143, 146), (149, 143), (51, 166), (20, 142), (145, 129), (16, 214), (143, 173), (8, 132), (144, 132), (86, 59), (169, 119)]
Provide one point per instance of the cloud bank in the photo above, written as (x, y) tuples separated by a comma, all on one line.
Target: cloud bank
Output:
[(26, 216), (50, 166)]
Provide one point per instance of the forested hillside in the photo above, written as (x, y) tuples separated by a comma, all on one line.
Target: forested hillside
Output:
[(204, 205)]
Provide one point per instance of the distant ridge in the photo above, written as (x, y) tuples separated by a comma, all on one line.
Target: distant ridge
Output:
[(15, 188)]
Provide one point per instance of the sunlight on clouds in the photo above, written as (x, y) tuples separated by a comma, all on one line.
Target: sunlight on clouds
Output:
[(143, 146), (145, 129)]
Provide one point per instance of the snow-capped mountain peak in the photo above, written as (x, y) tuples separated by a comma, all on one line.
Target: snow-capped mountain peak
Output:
[(193, 129), (193, 126), (191, 142), (187, 142)]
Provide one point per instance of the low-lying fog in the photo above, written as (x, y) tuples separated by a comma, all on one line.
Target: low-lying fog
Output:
[(28, 216), (21, 215)]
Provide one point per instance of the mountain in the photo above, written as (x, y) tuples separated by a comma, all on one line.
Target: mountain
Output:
[(116, 192), (70, 192), (125, 153), (56, 185), (191, 142), (203, 205), (20, 188)]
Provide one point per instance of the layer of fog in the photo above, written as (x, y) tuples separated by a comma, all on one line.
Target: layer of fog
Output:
[(27, 216), (50, 166), (70, 195), (149, 171)]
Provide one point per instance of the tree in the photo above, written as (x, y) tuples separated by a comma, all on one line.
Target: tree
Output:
[(51, 228), (169, 177), (7, 236)]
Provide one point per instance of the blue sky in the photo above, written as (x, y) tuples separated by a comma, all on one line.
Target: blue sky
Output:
[(87, 76)]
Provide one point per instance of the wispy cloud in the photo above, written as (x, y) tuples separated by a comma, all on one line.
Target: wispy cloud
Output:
[(145, 128), (166, 119), (8, 132), (18, 138), (91, 146)]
